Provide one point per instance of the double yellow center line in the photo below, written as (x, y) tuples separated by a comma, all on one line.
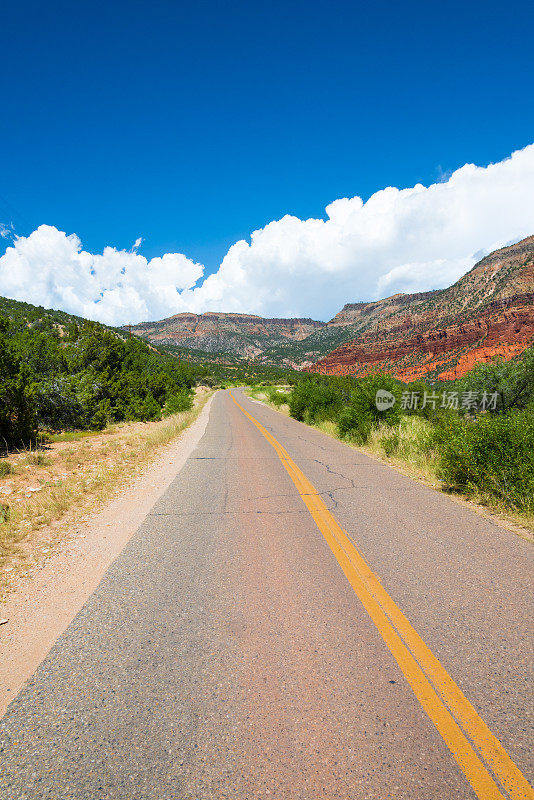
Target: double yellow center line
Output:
[(461, 728)]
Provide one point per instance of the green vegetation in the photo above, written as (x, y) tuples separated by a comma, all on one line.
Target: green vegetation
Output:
[(278, 396), (475, 435), (513, 381), (493, 454), (5, 469), (58, 373), (316, 400), (226, 369), (178, 402)]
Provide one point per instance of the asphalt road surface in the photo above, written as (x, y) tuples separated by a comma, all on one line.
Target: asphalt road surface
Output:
[(292, 620)]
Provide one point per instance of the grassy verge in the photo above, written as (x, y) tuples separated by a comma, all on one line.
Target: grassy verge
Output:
[(409, 447), (274, 396), (70, 475)]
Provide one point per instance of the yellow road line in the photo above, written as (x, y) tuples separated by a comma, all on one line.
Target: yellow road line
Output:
[(424, 672)]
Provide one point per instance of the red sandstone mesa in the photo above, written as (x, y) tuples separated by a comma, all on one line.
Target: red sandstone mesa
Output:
[(489, 312)]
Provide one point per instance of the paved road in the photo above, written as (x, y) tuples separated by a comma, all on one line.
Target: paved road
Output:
[(241, 647)]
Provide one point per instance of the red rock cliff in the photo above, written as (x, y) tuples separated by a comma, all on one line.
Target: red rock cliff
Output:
[(488, 312)]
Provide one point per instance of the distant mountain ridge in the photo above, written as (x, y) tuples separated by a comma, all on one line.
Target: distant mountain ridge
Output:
[(352, 311), (438, 334), (488, 312), (245, 335)]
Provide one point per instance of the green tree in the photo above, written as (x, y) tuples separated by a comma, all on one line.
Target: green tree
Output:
[(178, 402), (18, 421)]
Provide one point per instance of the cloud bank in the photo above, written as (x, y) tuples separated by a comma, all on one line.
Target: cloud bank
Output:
[(399, 240)]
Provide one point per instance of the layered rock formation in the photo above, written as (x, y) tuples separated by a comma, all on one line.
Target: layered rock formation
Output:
[(245, 335), (489, 312)]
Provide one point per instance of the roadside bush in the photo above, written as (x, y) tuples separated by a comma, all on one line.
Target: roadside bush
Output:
[(102, 416), (277, 397), (59, 404), (150, 410), (5, 469), (493, 454), (178, 402), (513, 381), (18, 417), (315, 400), (361, 414), (410, 441), (390, 443)]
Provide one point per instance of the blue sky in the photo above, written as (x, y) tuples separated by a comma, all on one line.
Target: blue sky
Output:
[(193, 124)]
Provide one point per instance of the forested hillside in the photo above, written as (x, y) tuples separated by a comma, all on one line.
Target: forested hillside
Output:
[(59, 371)]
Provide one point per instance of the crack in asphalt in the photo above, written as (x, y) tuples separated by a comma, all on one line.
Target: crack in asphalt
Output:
[(228, 513), (339, 475), (292, 494), (333, 499), (328, 494), (236, 458), (307, 441)]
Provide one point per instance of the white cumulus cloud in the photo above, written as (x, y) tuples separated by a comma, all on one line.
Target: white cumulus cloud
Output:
[(51, 269), (399, 240)]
